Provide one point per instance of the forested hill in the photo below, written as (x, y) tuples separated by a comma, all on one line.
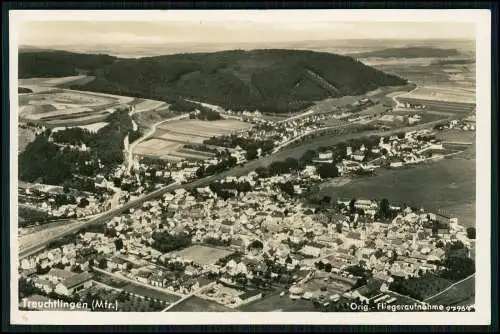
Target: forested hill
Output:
[(267, 80), (47, 64), (411, 52)]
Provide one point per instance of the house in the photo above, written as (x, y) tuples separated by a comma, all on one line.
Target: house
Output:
[(28, 263), (190, 270), (358, 155), (43, 284), (295, 292), (248, 297), (28, 272), (325, 155), (74, 284), (43, 260), (117, 263), (370, 291), (365, 204), (353, 238), (158, 281), (396, 164), (337, 265), (436, 254), (58, 275)]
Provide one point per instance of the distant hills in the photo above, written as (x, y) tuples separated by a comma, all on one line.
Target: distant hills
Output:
[(272, 80), (408, 52)]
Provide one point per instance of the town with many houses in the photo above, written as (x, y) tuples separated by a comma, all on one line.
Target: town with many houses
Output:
[(245, 238)]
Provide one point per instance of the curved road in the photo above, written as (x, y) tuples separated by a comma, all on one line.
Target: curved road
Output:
[(130, 153), (394, 98)]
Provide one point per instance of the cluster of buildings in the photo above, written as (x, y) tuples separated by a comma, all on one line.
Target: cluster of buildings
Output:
[(466, 124), (292, 235), (57, 203)]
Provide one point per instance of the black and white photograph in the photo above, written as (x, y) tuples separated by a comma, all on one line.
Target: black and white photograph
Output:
[(312, 166)]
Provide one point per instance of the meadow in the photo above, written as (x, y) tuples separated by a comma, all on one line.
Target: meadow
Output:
[(460, 294), (203, 255), (447, 185)]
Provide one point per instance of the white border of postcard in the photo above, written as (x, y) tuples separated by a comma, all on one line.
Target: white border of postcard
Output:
[(482, 315)]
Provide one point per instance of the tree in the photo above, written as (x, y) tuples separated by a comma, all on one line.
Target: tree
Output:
[(307, 157), (352, 208), (338, 228), (27, 288), (251, 153), (118, 244), (309, 234), (287, 188), (384, 208), (321, 265), (256, 244), (327, 171), (103, 263), (471, 233), (288, 259), (83, 203), (328, 267)]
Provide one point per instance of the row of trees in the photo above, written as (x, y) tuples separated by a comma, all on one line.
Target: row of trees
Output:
[(240, 187), (222, 166)]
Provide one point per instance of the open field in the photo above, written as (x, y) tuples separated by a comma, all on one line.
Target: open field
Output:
[(203, 255), (179, 137), (197, 304), (157, 147), (146, 119), (146, 105), (425, 287), (78, 121), (447, 185), (456, 136), (382, 94), (94, 127), (277, 303), (459, 95), (66, 108), (400, 299), (57, 114), (205, 129), (429, 71), (68, 97), (143, 291), (51, 82), (458, 108), (169, 138), (460, 294), (333, 286), (27, 213)]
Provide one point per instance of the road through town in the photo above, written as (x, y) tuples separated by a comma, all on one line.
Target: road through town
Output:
[(42, 238)]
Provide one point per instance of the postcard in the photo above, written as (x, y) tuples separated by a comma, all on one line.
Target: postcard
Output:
[(290, 167)]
